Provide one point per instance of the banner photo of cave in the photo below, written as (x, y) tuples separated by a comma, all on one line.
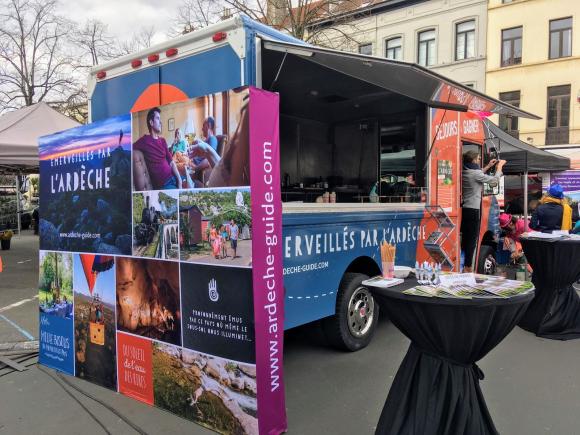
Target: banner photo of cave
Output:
[(215, 226), (205, 139), (155, 225), (85, 186), (133, 298), (94, 319), (148, 302)]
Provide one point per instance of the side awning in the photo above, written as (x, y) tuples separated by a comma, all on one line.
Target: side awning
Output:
[(403, 78), (520, 156)]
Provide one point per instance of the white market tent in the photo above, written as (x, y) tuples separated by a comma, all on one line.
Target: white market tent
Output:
[(19, 133)]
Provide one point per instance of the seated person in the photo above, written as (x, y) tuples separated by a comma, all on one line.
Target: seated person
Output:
[(179, 143), (161, 167), (209, 138), (553, 213)]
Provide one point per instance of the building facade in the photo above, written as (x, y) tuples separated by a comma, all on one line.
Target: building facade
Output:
[(448, 36), (533, 61)]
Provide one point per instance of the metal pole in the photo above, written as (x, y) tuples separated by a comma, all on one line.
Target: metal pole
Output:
[(527, 275), (18, 204), (526, 200)]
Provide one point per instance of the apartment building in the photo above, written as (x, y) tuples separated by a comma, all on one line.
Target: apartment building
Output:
[(533, 61), (448, 36)]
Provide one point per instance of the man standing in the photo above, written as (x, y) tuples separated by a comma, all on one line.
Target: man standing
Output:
[(161, 167), (473, 178), (234, 232)]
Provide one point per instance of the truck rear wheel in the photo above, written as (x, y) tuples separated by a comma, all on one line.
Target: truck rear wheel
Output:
[(357, 314)]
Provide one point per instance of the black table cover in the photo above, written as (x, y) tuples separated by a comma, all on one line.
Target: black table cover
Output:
[(555, 312), (436, 389)]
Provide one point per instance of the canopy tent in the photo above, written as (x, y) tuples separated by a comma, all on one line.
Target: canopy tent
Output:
[(408, 79), (19, 133), (522, 157), (570, 151)]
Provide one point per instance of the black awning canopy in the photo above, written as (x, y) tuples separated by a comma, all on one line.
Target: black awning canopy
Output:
[(407, 79), (520, 156)]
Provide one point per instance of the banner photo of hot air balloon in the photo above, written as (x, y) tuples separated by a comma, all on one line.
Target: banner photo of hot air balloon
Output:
[(94, 319), (85, 188), (155, 226)]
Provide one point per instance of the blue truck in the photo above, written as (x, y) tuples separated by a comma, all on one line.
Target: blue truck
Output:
[(358, 150)]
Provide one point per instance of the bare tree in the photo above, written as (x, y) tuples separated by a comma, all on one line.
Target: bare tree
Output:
[(34, 65), (324, 22), (195, 14), (140, 40), (94, 43)]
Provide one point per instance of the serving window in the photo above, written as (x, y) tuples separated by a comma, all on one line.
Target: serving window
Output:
[(343, 139)]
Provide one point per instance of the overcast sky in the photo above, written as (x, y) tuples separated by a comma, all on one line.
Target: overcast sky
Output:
[(124, 17)]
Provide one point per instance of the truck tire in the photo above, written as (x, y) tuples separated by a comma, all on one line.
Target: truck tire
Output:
[(486, 263), (357, 314)]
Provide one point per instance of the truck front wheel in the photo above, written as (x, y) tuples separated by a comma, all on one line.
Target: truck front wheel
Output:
[(357, 314)]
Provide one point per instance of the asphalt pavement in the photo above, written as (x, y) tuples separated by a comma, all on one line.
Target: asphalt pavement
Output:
[(531, 385)]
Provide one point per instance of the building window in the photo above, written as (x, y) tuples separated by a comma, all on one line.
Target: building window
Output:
[(509, 124), (561, 38), (506, 1), (558, 119), (469, 85), (465, 40), (426, 53), (511, 46), (366, 49), (394, 48)]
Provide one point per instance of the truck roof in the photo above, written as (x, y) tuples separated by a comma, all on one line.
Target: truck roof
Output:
[(236, 27)]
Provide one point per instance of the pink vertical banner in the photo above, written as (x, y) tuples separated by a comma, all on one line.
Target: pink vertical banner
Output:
[(267, 259)]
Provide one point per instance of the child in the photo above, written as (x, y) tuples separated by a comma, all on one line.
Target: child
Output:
[(215, 241), (224, 238)]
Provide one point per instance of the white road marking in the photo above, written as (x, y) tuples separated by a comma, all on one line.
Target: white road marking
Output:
[(17, 304)]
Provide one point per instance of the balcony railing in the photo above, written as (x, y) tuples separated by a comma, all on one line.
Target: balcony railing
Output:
[(557, 135)]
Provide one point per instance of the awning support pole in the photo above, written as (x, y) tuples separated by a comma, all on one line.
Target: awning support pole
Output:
[(18, 203), (527, 275)]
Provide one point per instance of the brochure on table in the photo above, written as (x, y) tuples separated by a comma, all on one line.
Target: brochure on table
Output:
[(173, 297)]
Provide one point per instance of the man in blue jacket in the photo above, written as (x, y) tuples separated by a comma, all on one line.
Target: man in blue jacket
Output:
[(553, 213)]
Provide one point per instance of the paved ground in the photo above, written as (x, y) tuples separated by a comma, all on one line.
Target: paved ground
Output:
[(243, 255), (532, 385)]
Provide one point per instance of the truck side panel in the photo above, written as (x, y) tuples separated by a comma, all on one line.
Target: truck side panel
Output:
[(202, 74), (320, 247)]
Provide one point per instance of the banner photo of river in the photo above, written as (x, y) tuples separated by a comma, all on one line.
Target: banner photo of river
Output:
[(161, 255)]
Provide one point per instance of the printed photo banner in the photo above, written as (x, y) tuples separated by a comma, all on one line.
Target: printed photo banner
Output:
[(161, 261)]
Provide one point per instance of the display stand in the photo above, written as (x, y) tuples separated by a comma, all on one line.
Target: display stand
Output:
[(434, 243)]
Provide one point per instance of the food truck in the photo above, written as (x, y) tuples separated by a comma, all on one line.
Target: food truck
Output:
[(365, 145)]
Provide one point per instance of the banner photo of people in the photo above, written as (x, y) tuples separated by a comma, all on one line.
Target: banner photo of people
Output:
[(161, 259)]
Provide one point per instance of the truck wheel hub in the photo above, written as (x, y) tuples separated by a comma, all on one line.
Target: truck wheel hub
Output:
[(360, 312)]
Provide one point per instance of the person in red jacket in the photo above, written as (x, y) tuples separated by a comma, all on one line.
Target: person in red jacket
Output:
[(162, 169)]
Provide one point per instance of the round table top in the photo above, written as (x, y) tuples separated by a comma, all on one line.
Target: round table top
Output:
[(396, 292)]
